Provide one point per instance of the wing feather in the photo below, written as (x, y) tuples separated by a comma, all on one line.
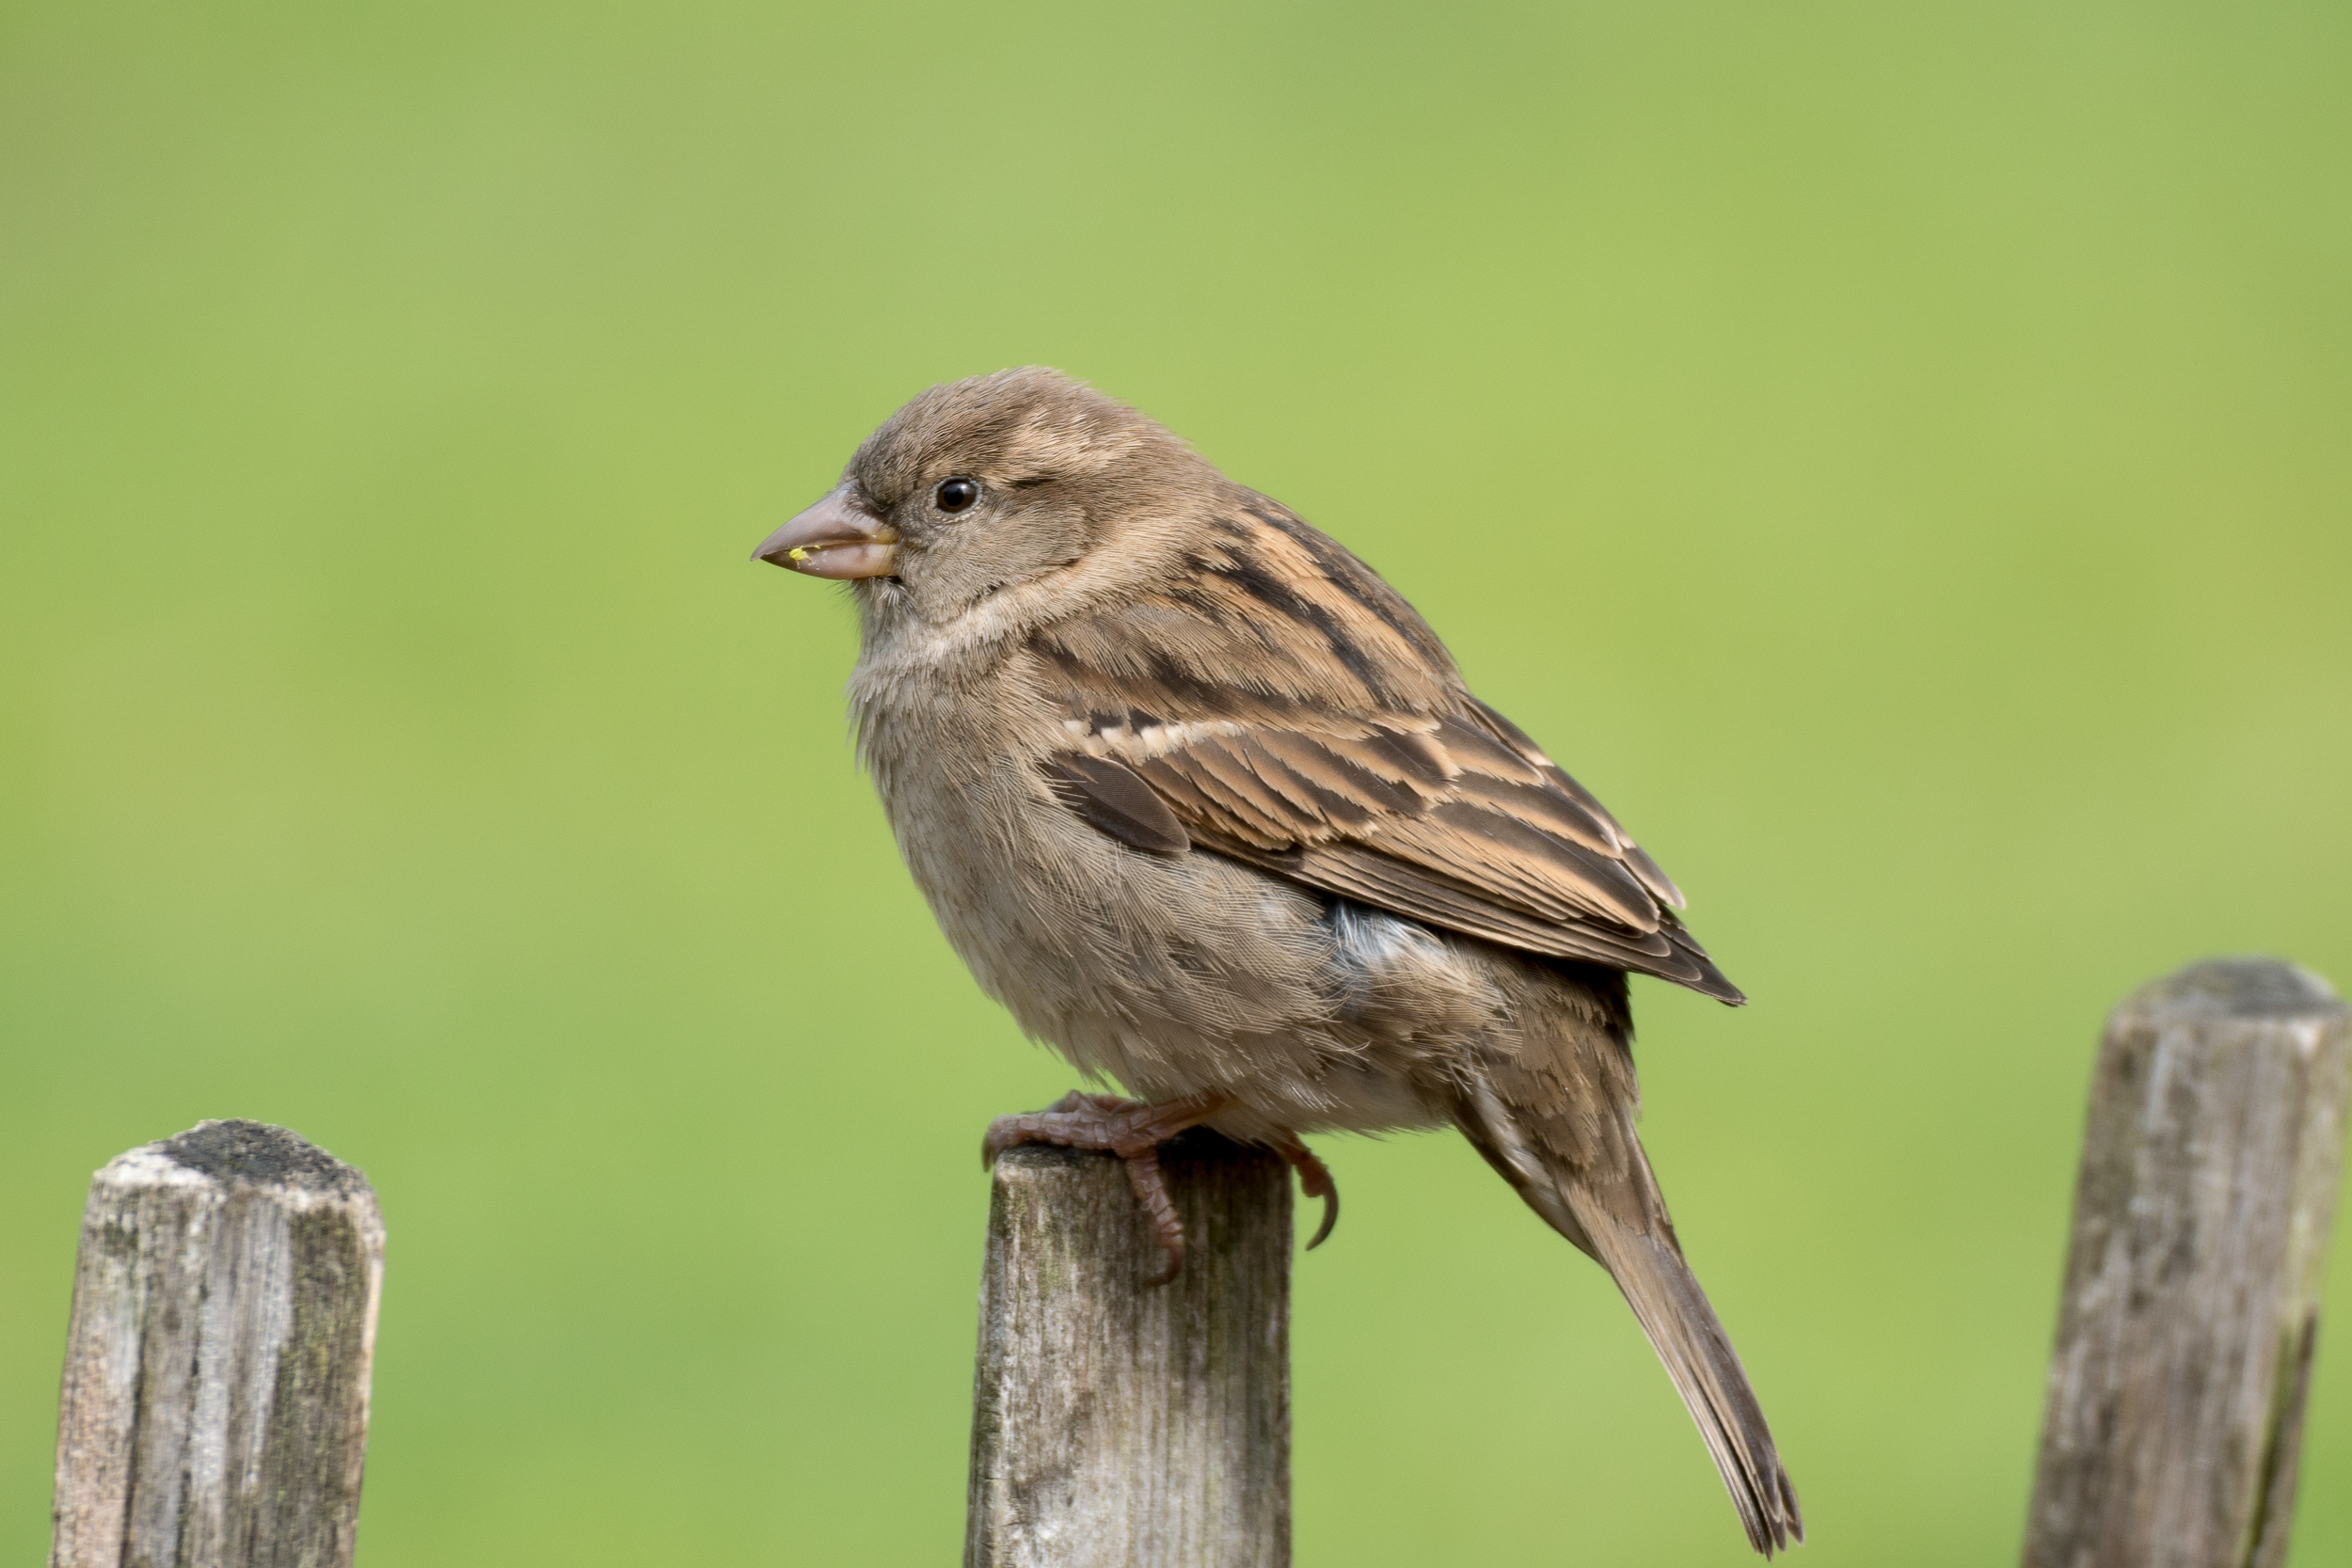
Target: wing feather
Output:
[(1116, 803), (1290, 712)]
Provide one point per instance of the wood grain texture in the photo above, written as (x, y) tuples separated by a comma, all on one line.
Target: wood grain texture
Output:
[(216, 1404), (1116, 1424), (2208, 1185)]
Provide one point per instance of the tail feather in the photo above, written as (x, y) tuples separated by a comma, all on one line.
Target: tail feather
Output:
[(1632, 1239), (1683, 1329)]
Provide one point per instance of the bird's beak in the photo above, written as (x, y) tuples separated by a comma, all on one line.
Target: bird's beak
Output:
[(836, 538)]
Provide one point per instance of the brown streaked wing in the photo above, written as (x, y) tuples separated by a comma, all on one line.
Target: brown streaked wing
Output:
[(1368, 877), (1115, 801), (1201, 799), (1543, 874), (1283, 706), (1660, 885)]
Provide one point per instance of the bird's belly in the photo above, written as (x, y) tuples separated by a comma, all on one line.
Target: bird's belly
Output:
[(1175, 975)]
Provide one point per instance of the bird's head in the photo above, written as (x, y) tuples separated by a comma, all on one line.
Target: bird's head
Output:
[(997, 484)]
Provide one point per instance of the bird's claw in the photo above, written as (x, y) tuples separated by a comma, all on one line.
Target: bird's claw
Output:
[(1058, 1123), (1314, 1181), (1131, 1128)]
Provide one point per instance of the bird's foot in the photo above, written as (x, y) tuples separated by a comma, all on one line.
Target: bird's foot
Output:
[(1131, 1128), (1314, 1181)]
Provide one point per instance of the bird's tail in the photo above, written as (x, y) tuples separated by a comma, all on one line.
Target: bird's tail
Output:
[(1611, 1209)]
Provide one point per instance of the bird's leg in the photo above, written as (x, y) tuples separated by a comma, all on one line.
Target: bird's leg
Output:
[(1314, 1181), (1131, 1128)]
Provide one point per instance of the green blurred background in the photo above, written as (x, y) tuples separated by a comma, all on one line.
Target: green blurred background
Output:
[(1897, 456)]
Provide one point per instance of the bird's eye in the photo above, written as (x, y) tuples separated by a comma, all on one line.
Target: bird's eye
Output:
[(956, 495)]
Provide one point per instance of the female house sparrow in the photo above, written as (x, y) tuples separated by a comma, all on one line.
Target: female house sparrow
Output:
[(1205, 804)]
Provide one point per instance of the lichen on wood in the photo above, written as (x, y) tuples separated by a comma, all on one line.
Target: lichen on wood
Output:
[(2215, 1143), (214, 1408)]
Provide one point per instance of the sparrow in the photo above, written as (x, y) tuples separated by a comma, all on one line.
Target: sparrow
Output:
[(1203, 802)]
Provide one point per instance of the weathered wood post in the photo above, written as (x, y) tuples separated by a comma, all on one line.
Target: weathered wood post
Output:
[(215, 1403), (1119, 1425), (2185, 1340)]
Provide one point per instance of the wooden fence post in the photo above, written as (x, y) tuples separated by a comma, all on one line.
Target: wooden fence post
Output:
[(2185, 1340), (216, 1404), (1115, 1423)]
